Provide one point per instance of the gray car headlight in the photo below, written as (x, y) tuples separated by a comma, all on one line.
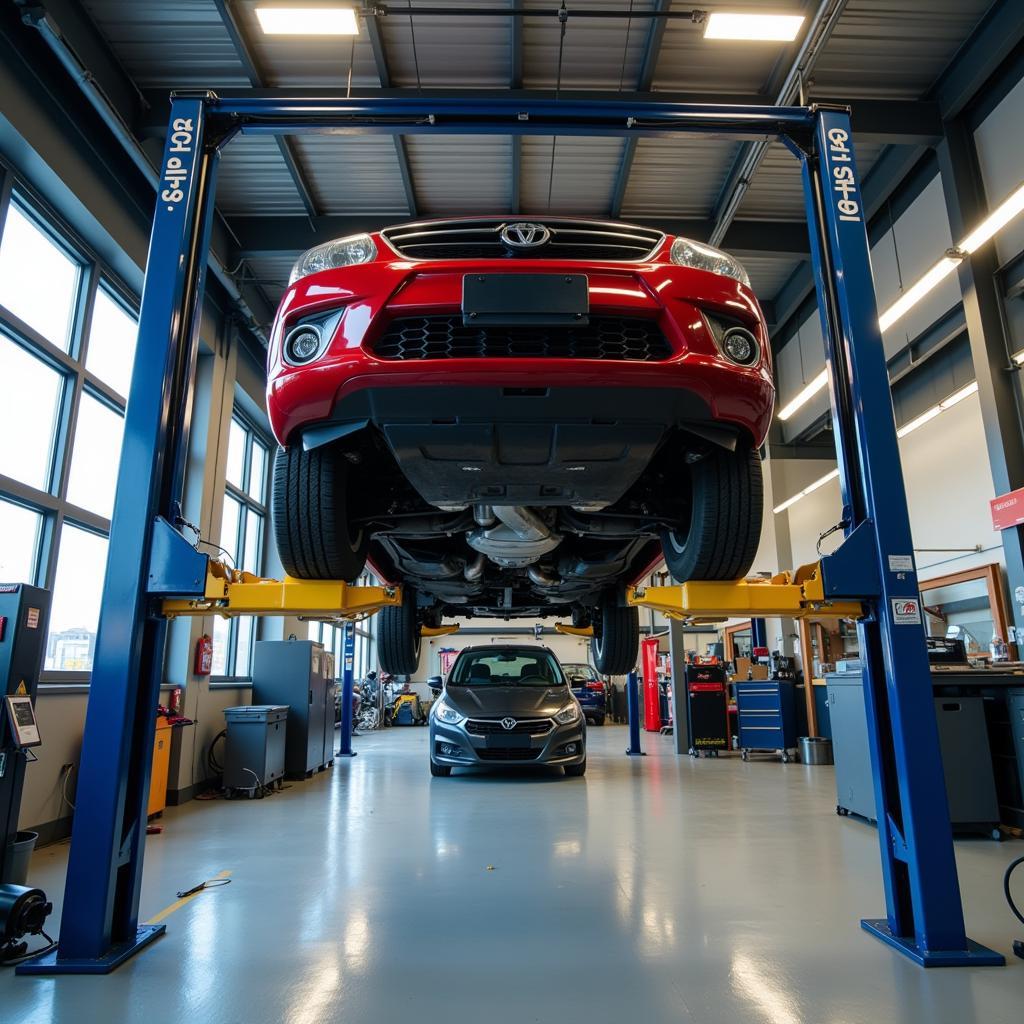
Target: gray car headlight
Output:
[(342, 252), (688, 253), (569, 714), (446, 713)]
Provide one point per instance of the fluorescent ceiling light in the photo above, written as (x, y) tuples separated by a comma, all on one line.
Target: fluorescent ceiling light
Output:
[(959, 396), (758, 28), (805, 396), (807, 490), (308, 21), (1019, 357), (919, 421), (996, 220), (916, 292)]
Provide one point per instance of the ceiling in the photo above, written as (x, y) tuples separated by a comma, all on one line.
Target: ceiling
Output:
[(281, 191)]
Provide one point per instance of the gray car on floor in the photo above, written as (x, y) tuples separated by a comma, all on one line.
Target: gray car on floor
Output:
[(507, 705)]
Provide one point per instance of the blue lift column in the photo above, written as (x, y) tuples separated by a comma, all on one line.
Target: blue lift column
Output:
[(99, 923), (924, 911), (633, 713), (347, 684)]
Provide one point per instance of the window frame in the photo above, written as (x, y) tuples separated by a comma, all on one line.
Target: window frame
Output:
[(253, 435), (51, 501)]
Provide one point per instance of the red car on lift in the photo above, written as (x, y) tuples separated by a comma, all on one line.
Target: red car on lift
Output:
[(518, 419)]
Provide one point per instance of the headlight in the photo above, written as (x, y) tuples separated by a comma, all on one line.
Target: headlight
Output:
[(569, 714), (342, 252), (688, 253), (446, 713)]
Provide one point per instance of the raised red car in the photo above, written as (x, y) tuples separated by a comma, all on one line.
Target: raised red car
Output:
[(518, 419)]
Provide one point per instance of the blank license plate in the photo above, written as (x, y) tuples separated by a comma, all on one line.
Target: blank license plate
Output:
[(525, 299)]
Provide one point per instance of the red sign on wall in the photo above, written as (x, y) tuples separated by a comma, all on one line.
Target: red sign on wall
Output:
[(1008, 510)]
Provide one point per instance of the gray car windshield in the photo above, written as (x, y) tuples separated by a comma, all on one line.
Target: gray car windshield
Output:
[(518, 667)]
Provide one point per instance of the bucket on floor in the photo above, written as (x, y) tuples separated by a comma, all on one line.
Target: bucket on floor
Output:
[(21, 854), (815, 750)]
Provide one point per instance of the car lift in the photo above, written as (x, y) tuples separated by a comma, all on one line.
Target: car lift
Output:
[(150, 561)]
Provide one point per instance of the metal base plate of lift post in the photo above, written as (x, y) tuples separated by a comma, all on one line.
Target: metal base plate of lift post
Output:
[(975, 955), (113, 958)]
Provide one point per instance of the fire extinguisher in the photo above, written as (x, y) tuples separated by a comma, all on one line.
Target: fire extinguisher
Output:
[(204, 655)]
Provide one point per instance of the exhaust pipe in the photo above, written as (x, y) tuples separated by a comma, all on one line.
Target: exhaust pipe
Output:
[(475, 569), (523, 522), (541, 578)]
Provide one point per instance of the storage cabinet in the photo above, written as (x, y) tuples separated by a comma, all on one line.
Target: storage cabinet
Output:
[(766, 716)]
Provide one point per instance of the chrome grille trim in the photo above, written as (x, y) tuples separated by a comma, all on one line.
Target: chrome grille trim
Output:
[(493, 726), (597, 241)]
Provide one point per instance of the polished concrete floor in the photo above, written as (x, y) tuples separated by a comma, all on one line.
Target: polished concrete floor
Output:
[(653, 890)]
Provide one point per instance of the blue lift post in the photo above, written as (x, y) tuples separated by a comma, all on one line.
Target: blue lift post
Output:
[(347, 684), (99, 926), (633, 713)]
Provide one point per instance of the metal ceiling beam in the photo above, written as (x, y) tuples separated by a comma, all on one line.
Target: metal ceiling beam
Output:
[(380, 59), (904, 122), (258, 235), (645, 79), (236, 33), (819, 30)]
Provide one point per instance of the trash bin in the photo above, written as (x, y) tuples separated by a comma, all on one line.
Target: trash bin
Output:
[(255, 748), (815, 750), (21, 854)]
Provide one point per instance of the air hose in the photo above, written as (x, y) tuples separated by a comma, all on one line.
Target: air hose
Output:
[(1018, 944)]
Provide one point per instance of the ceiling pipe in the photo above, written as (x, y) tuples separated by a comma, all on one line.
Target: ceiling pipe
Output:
[(818, 33), (86, 82), (563, 13)]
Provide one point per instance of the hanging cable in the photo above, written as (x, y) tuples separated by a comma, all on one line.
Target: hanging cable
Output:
[(415, 55), (563, 21), (625, 46), (351, 62)]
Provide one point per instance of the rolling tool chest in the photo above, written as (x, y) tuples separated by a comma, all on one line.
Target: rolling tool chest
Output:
[(766, 713), (707, 719)]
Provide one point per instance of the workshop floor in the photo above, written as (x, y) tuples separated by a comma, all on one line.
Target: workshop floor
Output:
[(657, 889)]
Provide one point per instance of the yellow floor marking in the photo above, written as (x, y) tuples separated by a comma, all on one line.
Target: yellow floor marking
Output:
[(178, 904)]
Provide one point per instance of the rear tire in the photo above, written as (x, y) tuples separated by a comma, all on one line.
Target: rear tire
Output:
[(575, 771), (398, 639), (616, 639), (440, 771), (312, 513), (721, 538)]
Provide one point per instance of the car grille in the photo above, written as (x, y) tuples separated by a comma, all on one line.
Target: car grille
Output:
[(481, 239), (508, 754), (490, 727), (446, 337)]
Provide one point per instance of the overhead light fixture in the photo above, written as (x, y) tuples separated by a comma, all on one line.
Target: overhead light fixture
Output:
[(995, 221), (809, 489), (805, 396), (1018, 357), (919, 421), (755, 28), (281, 20), (916, 292)]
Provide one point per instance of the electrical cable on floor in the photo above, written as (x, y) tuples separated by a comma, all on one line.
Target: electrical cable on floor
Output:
[(210, 883), (64, 787), (1018, 944), (32, 953)]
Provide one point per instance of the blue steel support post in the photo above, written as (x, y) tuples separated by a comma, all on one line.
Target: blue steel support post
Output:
[(925, 916), (99, 923), (633, 712), (758, 633), (347, 683)]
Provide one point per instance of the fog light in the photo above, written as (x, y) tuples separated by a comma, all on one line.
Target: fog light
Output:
[(449, 751), (302, 345), (740, 345), (570, 748)]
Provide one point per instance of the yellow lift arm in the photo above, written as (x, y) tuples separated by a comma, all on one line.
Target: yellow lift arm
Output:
[(432, 631), (585, 631), (791, 595), (230, 592)]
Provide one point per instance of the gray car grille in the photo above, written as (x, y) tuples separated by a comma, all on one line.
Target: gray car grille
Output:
[(479, 239), (493, 726)]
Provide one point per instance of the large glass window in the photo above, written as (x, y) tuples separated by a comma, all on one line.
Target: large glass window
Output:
[(38, 279), (111, 350), (30, 396), (77, 592), (241, 540), (96, 456), (67, 339), (19, 542)]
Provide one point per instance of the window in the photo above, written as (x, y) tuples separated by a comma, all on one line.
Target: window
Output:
[(111, 349), (67, 338), (30, 397), (77, 592), (38, 280), (20, 528), (241, 538)]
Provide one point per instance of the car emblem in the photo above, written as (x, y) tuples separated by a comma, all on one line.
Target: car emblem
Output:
[(524, 235), (508, 724)]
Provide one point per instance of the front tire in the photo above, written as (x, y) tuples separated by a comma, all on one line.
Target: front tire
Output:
[(616, 639), (398, 639), (720, 540), (313, 514)]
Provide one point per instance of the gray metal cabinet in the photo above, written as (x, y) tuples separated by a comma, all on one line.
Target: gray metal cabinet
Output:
[(296, 673), (855, 787)]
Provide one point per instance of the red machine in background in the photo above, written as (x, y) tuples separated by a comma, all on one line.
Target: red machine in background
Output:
[(652, 687)]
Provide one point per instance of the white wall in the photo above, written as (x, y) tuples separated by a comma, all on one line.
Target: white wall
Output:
[(1000, 145)]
